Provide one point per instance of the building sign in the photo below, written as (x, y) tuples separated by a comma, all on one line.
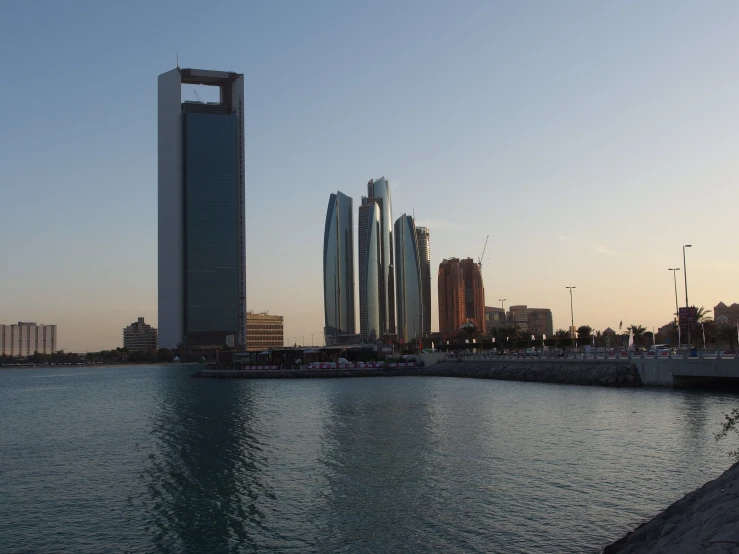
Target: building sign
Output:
[(687, 317)]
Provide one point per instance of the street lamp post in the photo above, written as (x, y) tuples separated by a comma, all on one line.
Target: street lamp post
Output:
[(685, 275), (572, 314), (419, 341), (502, 307), (674, 279), (311, 340)]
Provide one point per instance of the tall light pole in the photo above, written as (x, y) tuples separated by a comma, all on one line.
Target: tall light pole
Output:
[(502, 307), (311, 340), (674, 278), (572, 314), (685, 274)]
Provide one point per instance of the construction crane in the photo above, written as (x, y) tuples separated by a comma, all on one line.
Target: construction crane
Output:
[(479, 260)]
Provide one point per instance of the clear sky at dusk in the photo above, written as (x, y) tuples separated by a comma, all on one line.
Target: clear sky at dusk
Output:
[(590, 140)]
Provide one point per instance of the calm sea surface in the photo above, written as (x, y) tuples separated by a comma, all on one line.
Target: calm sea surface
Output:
[(146, 459)]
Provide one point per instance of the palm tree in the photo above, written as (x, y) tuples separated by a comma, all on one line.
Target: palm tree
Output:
[(583, 332), (638, 331)]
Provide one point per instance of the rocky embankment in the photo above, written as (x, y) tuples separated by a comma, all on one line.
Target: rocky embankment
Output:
[(595, 373), (303, 373), (706, 520)]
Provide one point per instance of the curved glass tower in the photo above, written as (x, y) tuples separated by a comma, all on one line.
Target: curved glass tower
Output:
[(338, 268), (378, 190), (408, 280), (370, 270)]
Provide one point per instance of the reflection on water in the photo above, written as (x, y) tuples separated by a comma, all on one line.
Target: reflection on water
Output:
[(202, 485), (145, 459)]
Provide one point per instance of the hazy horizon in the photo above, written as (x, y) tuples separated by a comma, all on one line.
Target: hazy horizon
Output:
[(589, 140)]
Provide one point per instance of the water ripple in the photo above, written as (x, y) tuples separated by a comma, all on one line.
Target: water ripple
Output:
[(145, 459)]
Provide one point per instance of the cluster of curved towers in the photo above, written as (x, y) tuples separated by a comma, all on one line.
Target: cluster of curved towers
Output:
[(394, 270)]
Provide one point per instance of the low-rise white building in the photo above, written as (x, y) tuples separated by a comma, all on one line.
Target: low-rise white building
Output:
[(27, 338), (140, 337)]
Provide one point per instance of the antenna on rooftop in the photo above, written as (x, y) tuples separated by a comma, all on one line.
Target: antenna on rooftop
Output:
[(178, 59)]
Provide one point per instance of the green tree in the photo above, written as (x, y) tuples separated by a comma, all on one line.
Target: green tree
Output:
[(583, 332), (727, 334), (561, 334), (730, 426)]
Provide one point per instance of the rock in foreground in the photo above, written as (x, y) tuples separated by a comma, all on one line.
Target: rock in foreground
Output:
[(705, 520)]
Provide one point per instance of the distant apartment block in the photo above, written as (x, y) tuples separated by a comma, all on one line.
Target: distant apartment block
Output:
[(519, 316), (26, 339), (533, 321), (540, 322), (494, 317), (461, 295), (731, 313), (264, 331), (140, 337)]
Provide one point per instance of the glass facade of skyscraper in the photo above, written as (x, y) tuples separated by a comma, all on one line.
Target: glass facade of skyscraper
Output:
[(201, 266), (338, 268), (408, 280), (211, 278), (370, 270), (378, 190), (424, 255)]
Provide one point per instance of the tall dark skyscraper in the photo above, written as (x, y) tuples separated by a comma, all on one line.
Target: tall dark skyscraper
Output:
[(424, 255), (202, 254), (378, 191), (338, 268), (407, 280), (370, 270)]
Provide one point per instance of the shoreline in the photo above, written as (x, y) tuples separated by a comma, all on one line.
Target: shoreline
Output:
[(602, 374), (706, 519), (119, 364)]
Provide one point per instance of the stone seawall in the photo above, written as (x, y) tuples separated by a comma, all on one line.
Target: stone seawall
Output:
[(705, 520), (303, 373), (597, 373)]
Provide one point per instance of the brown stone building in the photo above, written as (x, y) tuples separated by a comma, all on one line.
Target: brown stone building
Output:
[(461, 295), (532, 321), (494, 317)]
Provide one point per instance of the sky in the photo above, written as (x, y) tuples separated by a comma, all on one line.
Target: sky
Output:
[(589, 140)]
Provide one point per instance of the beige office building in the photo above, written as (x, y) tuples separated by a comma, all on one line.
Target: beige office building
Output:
[(534, 321), (26, 339), (264, 331)]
